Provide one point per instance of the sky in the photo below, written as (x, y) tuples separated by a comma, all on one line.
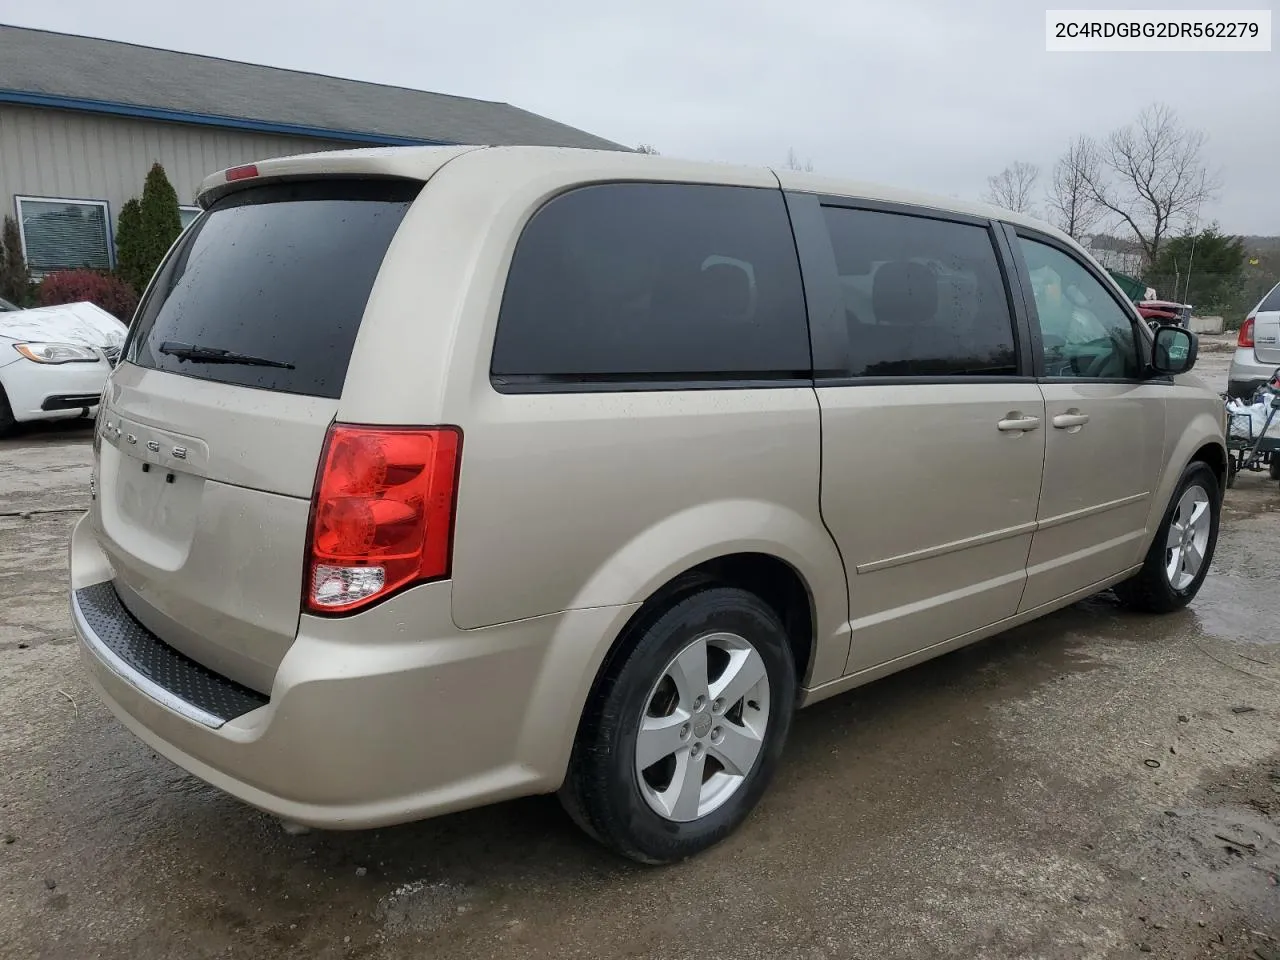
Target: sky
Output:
[(931, 95)]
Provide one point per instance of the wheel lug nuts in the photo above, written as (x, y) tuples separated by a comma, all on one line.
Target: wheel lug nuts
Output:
[(696, 750), (699, 702), (717, 705), (684, 732), (716, 734)]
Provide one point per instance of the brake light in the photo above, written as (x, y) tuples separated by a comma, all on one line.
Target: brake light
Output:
[(1245, 339), (382, 514), (247, 172)]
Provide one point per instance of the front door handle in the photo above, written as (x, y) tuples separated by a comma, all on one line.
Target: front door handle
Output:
[(1065, 421), (1017, 424)]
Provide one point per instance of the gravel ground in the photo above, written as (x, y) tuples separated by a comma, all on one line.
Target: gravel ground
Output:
[(1095, 784)]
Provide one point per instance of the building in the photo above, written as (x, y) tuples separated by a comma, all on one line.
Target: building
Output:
[(1117, 253), (82, 120)]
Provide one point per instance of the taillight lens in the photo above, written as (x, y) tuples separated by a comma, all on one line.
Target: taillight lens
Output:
[(382, 515), (1245, 339)]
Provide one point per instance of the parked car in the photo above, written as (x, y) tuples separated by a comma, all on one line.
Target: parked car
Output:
[(1155, 312), (432, 477), (54, 361), (1164, 312), (1257, 347), (6, 306)]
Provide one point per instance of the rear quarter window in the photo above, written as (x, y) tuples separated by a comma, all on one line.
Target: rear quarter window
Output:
[(280, 273), (638, 282)]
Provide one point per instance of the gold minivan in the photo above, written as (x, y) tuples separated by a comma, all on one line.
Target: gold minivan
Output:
[(431, 477)]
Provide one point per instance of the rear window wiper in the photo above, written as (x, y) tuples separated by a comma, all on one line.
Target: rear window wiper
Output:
[(191, 351)]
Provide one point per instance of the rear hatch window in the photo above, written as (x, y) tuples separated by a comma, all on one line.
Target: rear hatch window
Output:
[(268, 289), (1271, 302)]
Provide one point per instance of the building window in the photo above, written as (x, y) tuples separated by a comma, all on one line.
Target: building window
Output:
[(187, 214), (65, 234)]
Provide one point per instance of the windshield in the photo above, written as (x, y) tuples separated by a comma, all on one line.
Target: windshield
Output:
[(268, 289)]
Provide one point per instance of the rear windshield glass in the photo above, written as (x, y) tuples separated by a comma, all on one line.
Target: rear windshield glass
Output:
[(1271, 302), (268, 289)]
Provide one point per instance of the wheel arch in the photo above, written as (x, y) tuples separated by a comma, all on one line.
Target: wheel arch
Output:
[(1214, 456), (774, 580), (1200, 442), (690, 544)]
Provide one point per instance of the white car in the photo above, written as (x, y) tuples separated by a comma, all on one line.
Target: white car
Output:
[(54, 361), (1257, 348)]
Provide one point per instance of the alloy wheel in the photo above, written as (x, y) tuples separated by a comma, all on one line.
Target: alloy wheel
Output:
[(1188, 538), (702, 727)]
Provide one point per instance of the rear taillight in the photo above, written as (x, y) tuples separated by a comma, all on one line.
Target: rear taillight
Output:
[(1245, 339), (247, 172), (382, 515)]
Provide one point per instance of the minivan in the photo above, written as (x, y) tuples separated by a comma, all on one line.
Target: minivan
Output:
[(431, 477)]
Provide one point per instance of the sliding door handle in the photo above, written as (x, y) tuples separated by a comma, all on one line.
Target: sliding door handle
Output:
[(1065, 421), (1017, 424)]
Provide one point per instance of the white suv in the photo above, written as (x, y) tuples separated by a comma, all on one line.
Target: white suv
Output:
[(1257, 347)]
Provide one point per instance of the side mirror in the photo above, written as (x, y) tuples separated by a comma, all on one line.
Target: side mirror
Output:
[(1174, 350)]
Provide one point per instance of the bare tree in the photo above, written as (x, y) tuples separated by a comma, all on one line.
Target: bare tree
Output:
[(1152, 175), (1011, 188), (1072, 205), (647, 148), (795, 163)]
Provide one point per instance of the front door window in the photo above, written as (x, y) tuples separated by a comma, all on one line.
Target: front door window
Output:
[(1084, 332)]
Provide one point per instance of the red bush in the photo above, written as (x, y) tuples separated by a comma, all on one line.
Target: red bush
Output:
[(102, 289)]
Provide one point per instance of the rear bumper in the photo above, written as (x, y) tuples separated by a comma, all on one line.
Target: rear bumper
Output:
[(142, 660), (387, 716), (1247, 373)]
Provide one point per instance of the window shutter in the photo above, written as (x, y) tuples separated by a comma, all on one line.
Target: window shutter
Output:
[(63, 236)]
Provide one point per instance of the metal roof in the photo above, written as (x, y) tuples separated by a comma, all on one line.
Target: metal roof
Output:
[(58, 70)]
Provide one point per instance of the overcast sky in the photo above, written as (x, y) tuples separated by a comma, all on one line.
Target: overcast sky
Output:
[(927, 94)]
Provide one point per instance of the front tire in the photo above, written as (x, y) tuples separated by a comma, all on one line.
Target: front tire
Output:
[(7, 421), (1182, 551), (685, 728)]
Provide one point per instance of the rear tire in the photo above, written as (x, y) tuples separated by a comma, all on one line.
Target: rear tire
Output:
[(705, 694), (1171, 576), (1275, 466)]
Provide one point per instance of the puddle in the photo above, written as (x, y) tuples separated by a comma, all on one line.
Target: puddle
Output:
[(1235, 608), (1227, 852), (1227, 845)]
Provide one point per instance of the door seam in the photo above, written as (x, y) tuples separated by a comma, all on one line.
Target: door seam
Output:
[(1031, 542), (844, 566)]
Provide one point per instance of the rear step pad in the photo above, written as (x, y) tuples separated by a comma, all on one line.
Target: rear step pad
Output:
[(178, 680)]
